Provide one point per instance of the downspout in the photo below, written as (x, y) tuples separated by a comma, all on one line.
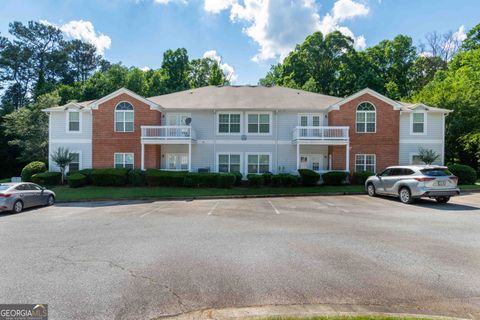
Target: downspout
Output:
[(214, 141), (49, 140), (276, 141)]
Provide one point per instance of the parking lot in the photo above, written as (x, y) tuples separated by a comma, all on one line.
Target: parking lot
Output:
[(134, 259)]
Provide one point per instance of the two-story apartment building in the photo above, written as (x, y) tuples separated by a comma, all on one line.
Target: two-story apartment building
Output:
[(251, 129)]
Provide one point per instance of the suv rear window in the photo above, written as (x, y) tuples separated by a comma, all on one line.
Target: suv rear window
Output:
[(436, 172)]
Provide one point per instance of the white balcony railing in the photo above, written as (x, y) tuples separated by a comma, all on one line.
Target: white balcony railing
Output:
[(327, 134), (168, 133)]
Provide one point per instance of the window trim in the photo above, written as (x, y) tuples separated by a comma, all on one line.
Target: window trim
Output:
[(218, 154), (229, 133), (424, 124), (356, 117), (188, 115), (123, 111), (124, 153), (67, 127), (270, 122), (410, 158), (80, 166), (320, 115), (365, 161), (258, 154)]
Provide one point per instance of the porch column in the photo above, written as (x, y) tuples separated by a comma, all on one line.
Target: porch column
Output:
[(298, 156), (190, 157), (142, 165), (347, 156)]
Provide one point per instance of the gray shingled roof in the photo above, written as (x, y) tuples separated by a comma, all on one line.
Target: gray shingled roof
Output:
[(245, 97)]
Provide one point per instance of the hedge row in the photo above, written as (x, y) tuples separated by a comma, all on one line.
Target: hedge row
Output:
[(275, 180)]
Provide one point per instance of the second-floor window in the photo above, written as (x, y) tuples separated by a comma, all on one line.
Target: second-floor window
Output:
[(73, 121), (418, 123), (124, 117), (229, 123), (258, 123), (366, 118)]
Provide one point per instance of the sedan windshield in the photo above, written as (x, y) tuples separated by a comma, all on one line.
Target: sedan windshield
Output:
[(436, 172)]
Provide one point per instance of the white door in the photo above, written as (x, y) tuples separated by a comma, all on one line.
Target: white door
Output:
[(311, 161), (176, 161)]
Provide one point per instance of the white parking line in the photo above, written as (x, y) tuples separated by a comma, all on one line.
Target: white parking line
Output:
[(213, 208), (276, 210), (147, 213)]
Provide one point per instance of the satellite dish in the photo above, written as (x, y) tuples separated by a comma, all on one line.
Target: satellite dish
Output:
[(188, 121)]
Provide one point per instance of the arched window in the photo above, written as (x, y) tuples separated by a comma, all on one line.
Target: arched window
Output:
[(366, 117), (124, 117)]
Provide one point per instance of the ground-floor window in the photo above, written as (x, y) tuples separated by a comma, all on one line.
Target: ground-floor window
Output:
[(176, 161), (365, 162), (415, 159), (258, 163), (75, 164), (124, 160), (229, 162)]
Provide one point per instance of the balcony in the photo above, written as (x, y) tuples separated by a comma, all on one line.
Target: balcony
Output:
[(320, 135), (168, 134)]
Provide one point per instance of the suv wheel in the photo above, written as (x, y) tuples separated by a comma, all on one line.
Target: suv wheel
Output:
[(18, 206), (405, 195), (371, 190), (442, 199)]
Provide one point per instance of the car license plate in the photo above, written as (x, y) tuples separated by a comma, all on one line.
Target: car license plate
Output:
[(441, 183)]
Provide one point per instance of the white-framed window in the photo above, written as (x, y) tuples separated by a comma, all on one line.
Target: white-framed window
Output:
[(124, 160), (418, 123), (258, 162), (124, 117), (415, 159), (259, 122), (177, 119), (75, 165), (365, 162), (229, 122), (229, 162), (73, 121), (176, 161), (310, 119), (366, 118)]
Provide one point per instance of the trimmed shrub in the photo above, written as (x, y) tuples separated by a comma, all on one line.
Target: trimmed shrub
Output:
[(284, 180), (110, 177), (334, 178), (136, 178), (226, 180), (465, 174), (209, 180), (88, 174), (163, 178), (255, 180), (76, 180), (267, 178), (360, 177), (32, 168), (47, 178), (309, 177), (238, 178)]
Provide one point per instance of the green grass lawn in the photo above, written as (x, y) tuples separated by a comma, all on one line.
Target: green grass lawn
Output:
[(93, 192), (65, 193)]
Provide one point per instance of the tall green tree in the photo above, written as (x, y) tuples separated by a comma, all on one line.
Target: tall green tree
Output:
[(472, 42), (28, 128), (176, 68)]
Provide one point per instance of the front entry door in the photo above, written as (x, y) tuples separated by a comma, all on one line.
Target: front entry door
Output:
[(311, 161), (176, 161)]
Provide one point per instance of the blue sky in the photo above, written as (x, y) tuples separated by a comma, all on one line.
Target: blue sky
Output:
[(247, 36)]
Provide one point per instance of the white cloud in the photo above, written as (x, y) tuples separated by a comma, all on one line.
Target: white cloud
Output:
[(85, 31), (227, 69), (145, 69), (278, 25), (460, 34)]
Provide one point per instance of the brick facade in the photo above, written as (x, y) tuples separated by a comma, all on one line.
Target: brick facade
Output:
[(384, 143), (106, 142)]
